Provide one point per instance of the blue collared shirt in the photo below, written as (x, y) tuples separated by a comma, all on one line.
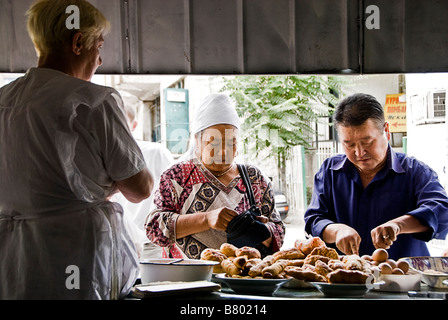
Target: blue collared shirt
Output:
[(404, 186)]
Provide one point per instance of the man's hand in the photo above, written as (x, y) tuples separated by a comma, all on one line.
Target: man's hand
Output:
[(384, 235), (346, 238)]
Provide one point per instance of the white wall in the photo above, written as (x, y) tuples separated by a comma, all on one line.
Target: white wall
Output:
[(428, 142), (376, 85)]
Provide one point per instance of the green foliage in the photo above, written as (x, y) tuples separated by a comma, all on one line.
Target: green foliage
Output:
[(279, 112)]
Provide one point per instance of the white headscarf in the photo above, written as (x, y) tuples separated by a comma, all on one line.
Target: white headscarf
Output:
[(217, 108)]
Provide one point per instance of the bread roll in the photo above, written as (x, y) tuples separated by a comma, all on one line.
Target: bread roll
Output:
[(228, 249), (326, 252), (308, 245), (212, 255), (304, 274), (274, 270), (250, 252), (288, 254), (347, 276), (230, 268)]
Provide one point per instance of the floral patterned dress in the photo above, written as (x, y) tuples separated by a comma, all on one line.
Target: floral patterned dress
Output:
[(187, 188)]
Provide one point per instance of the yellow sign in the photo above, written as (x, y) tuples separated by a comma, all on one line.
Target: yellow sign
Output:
[(395, 112)]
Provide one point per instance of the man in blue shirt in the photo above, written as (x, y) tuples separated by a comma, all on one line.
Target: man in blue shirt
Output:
[(373, 197)]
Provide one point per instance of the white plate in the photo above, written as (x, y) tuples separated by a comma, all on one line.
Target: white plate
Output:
[(251, 285), (345, 290), (167, 288)]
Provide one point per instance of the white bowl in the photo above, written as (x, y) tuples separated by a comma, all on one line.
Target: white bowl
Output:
[(400, 282), (154, 270)]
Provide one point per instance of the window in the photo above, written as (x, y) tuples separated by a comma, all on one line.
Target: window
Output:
[(438, 104), (428, 108)]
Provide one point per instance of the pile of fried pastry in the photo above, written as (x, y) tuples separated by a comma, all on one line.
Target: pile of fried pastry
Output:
[(310, 260)]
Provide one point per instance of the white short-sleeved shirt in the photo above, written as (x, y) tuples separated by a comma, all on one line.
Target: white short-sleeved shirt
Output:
[(158, 158), (63, 143)]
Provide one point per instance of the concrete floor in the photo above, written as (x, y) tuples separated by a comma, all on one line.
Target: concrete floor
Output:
[(293, 232)]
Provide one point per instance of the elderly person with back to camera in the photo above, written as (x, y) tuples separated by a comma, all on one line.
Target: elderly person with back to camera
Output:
[(373, 197), (198, 197), (158, 158), (65, 148)]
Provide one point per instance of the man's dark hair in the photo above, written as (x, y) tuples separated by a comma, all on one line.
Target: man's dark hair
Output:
[(354, 110)]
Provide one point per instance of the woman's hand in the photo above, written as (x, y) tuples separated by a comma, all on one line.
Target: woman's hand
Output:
[(218, 219)]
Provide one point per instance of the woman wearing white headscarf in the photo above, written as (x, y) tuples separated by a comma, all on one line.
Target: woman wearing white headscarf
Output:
[(198, 197)]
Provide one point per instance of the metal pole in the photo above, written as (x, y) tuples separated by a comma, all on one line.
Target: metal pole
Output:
[(302, 153), (405, 145)]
